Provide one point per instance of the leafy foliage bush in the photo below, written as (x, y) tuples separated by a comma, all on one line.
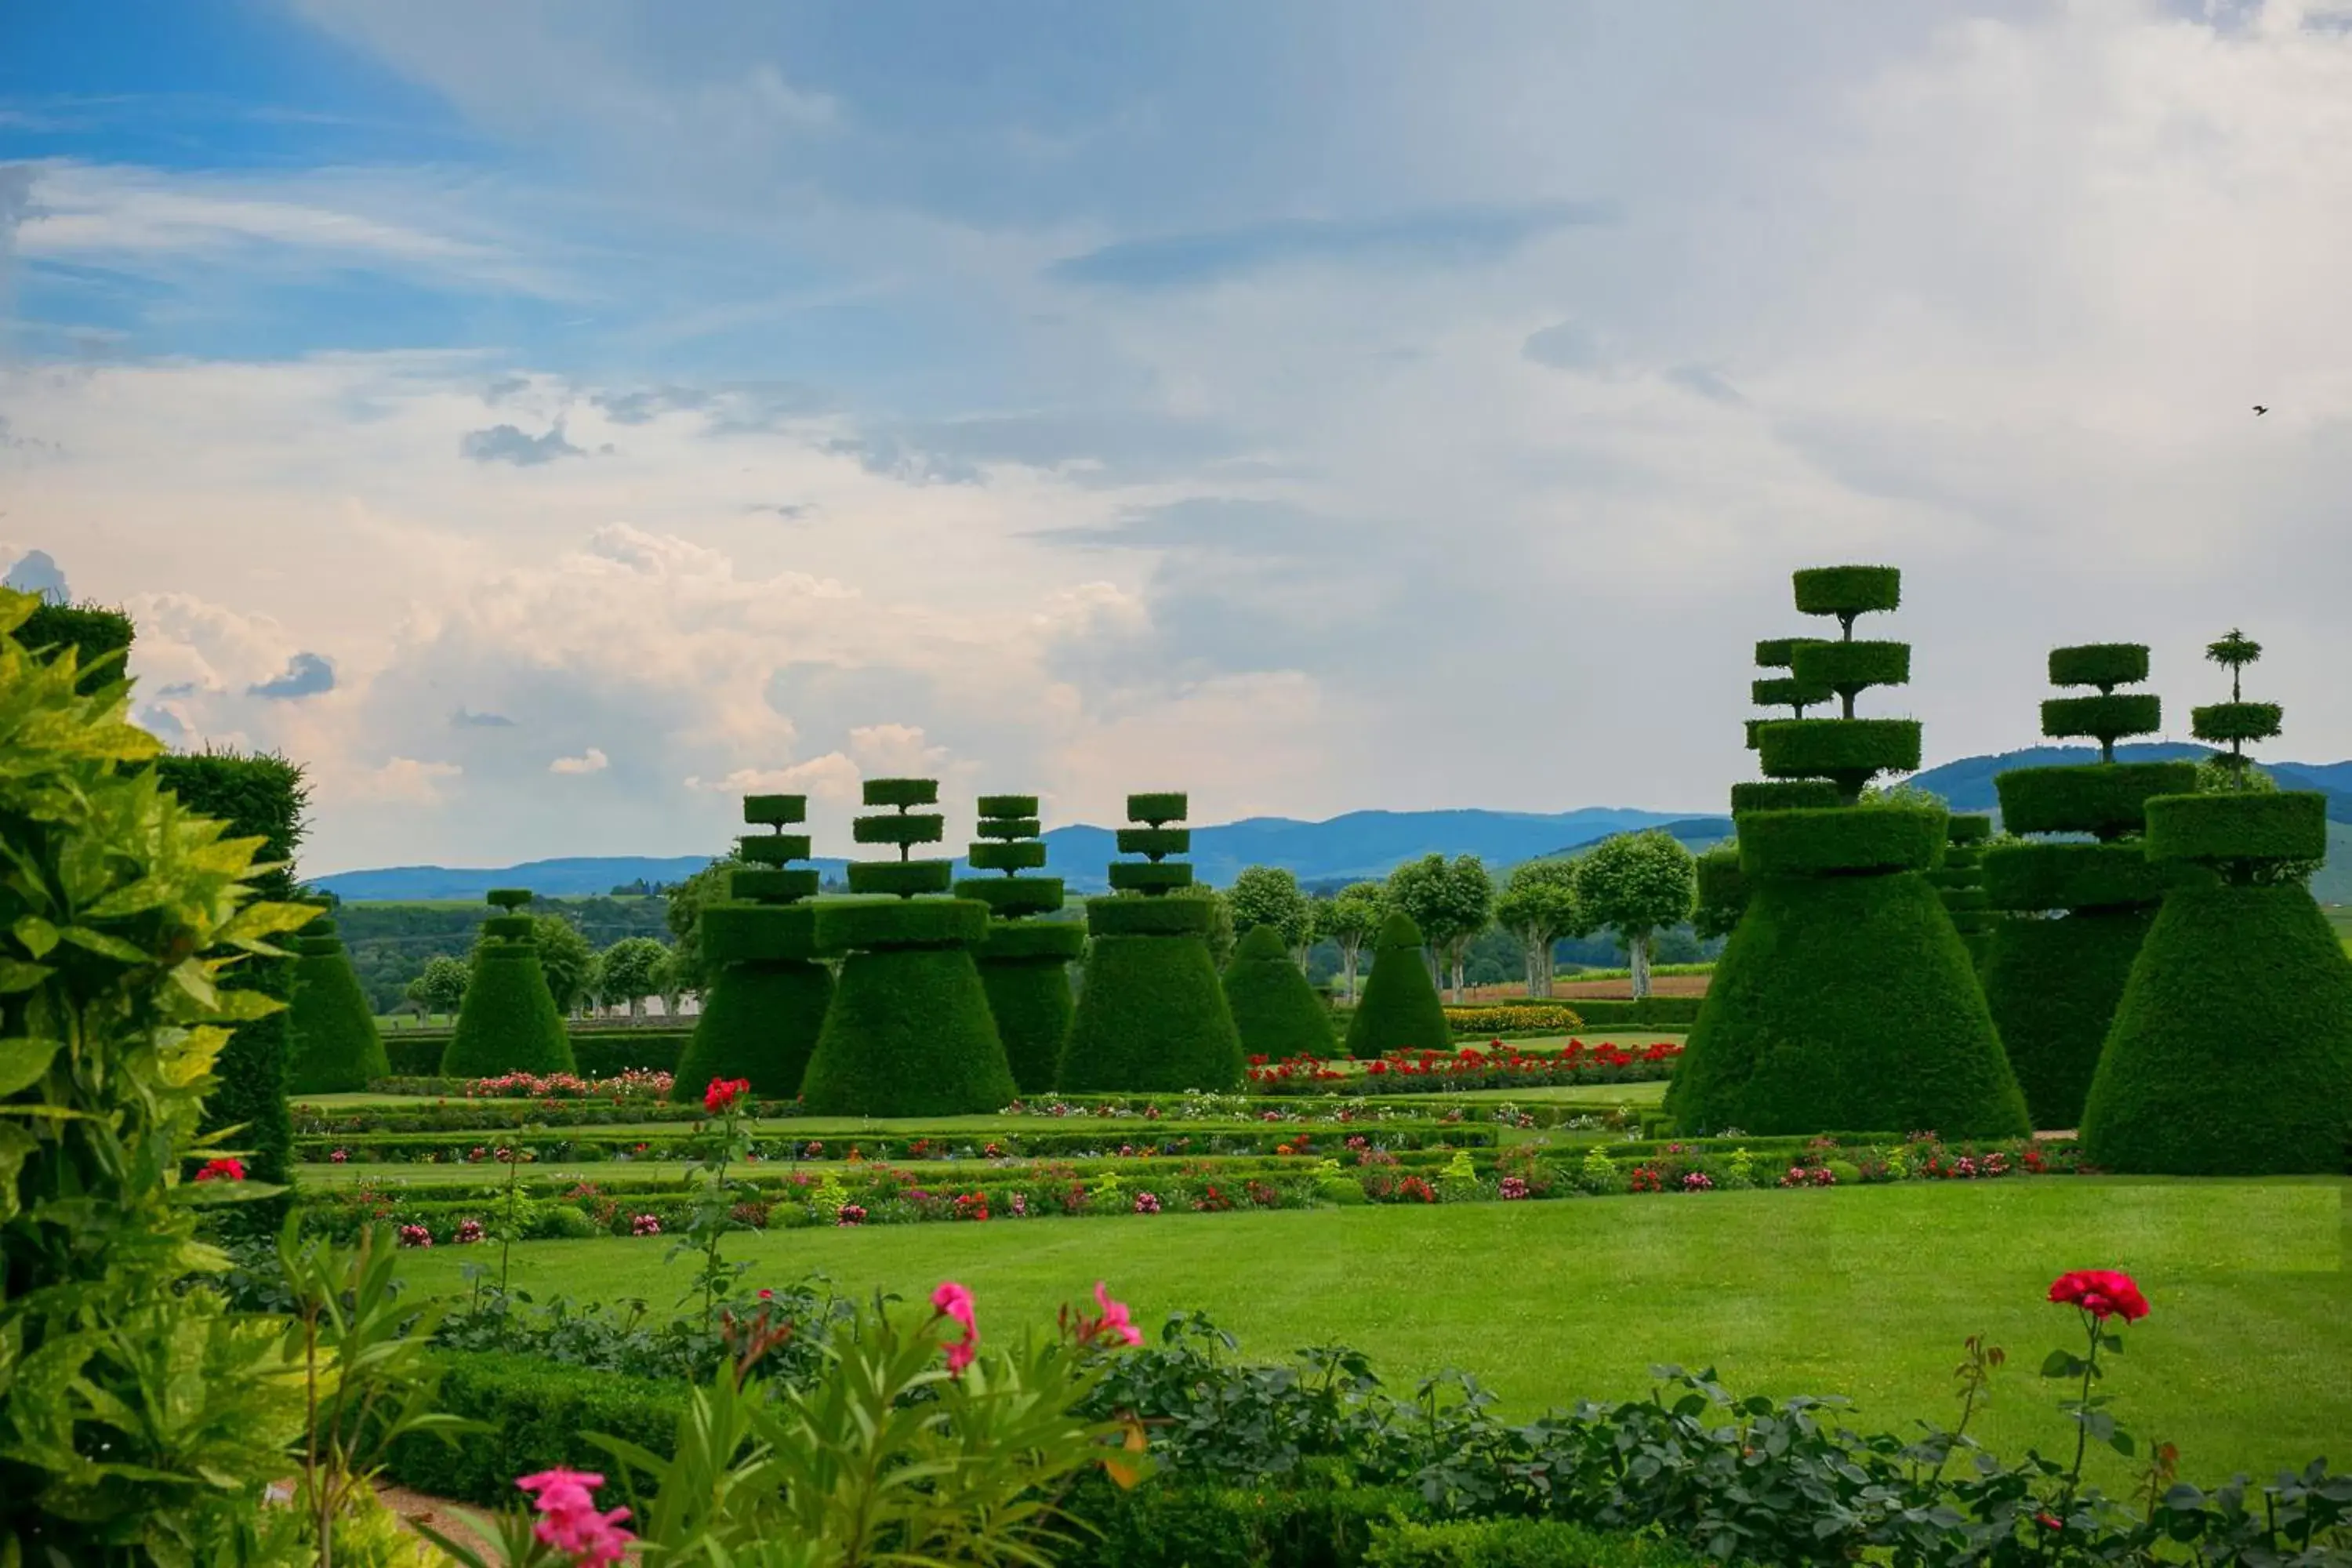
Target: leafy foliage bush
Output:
[(508, 1021), (1400, 1011), (1276, 1012)]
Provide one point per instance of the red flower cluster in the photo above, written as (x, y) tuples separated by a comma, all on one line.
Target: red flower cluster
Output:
[(724, 1093), (224, 1170), (2101, 1293)]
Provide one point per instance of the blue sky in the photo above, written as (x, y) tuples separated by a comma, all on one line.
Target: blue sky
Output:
[(548, 420)]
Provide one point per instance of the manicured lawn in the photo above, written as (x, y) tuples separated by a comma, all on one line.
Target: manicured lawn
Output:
[(1865, 1291)]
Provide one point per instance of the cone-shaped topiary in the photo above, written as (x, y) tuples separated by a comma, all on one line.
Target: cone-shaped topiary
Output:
[(768, 995), (1845, 998), (1275, 1009), (1960, 880), (1402, 1012), (332, 1043), (909, 1032), (2076, 912), (508, 1021), (1025, 966), (2231, 1053), (1152, 1016)]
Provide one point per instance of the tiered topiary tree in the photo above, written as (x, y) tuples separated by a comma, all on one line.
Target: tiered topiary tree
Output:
[(2077, 911), (1960, 881), (508, 1021), (333, 1045), (1024, 965), (1152, 1016), (2231, 1052), (1275, 1009), (908, 1033), (1400, 1010), (1845, 998), (767, 997), (1796, 694)]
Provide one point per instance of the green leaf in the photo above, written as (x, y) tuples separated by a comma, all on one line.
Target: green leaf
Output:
[(15, 975), (2121, 1442), (2061, 1363), (23, 1060), (38, 934), (105, 946)]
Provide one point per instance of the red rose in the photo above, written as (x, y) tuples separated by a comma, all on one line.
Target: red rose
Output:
[(2101, 1293), (221, 1171), (724, 1093)]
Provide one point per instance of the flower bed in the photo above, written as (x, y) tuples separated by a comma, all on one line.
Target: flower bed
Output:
[(1500, 1066)]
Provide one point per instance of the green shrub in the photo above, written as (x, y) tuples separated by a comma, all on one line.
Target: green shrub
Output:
[(1846, 592), (2072, 876), (1024, 969), (2231, 1052), (1818, 842), (2105, 665), (1275, 1009), (1781, 795), (2053, 986), (334, 1044), (2101, 718), (2231, 828), (596, 1052), (508, 1021), (843, 925), (1159, 807), (1400, 1010), (1144, 916), (100, 638), (1520, 1543), (1177, 1521), (1845, 1002), (900, 878), (538, 1415), (742, 931), (258, 797), (760, 1023), (1847, 667), (1850, 750), (2107, 800)]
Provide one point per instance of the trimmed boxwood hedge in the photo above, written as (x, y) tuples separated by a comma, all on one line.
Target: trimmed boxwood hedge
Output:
[(538, 1415), (2077, 876), (1029, 996), (334, 1045), (1151, 1017), (2105, 799), (1823, 842), (1846, 592), (1846, 668), (2103, 717), (746, 932), (843, 925), (1781, 795), (1401, 1010), (92, 631), (760, 1022), (596, 1053), (1845, 1002), (900, 878), (909, 1034), (1145, 916), (2238, 826), (1275, 1008), (2231, 1052), (2105, 665), (2052, 985), (508, 1021), (1841, 749)]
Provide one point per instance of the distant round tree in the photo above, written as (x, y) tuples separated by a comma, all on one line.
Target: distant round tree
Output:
[(565, 958), (909, 1032), (764, 995), (629, 970), (1270, 895), (1636, 884), (1539, 905), (1349, 919), (1152, 1016), (2231, 1053), (1400, 1011), (2077, 911), (508, 1021), (1451, 902), (1024, 964), (333, 1045), (1844, 1000), (440, 986), (1273, 1008)]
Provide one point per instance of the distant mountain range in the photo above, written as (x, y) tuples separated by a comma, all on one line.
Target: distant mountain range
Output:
[(1362, 843), (1359, 845)]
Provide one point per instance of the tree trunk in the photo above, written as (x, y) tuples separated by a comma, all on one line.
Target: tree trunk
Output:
[(1638, 944), (1531, 962), (637, 1009), (1456, 956), (1348, 964)]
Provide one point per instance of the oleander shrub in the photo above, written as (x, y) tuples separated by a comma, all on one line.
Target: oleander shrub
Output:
[(508, 1021), (1846, 996), (336, 1046), (909, 1032), (1151, 1014), (768, 995), (2230, 1050), (1024, 965), (1402, 1012), (1275, 1008)]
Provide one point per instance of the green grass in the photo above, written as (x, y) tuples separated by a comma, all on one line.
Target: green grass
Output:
[(1864, 1291)]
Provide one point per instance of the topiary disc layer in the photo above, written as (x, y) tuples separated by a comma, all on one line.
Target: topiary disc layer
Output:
[(1012, 898), (1845, 1002), (756, 933), (1852, 752), (2105, 799), (1149, 917), (846, 925), (760, 1021), (1150, 1019), (1781, 795), (1275, 1008), (2077, 876), (2236, 826), (1840, 840), (909, 1034), (1400, 1010), (2231, 1053), (2053, 986), (508, 1021)]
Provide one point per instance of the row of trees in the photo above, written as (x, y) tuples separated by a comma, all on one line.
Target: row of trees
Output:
[(624, 975), (1633, 886)]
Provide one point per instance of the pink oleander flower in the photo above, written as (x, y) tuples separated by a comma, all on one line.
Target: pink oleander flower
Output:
[(952, 1300), (1116, 1320), (569, 1521)]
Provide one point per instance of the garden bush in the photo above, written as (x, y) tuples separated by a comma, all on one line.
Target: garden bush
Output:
[(2054, 969), (1024, 965), (909, 1032), (537, 1416), (2240, 962), (258, 797), (336, 1046), (596, 1053), (768, 995), (1960, 880), (100, 638), (1846, 996), (508, 1021), (1275, 1008), (1151, 1014), (1401, 1010)]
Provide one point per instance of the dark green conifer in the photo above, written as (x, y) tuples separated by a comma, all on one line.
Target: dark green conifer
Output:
[(768, 995), (1401, 1010), (1844, 999), (1151, 1016), (508, 1021), (908, 1033), (1275, 1009), (333, 1045), (2231, 1053), (1024, 965)]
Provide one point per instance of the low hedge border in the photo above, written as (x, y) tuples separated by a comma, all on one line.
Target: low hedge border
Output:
[(596, 1053)]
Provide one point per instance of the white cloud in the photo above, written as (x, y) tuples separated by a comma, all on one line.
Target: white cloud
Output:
[(403, 780), (590, 761)]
